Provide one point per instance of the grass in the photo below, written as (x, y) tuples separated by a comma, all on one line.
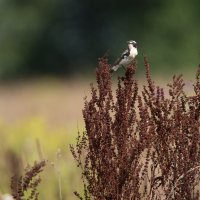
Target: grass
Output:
[(47, 111)]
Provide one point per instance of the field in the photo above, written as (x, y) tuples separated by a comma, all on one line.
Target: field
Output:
[(48, 113), (39, 119)]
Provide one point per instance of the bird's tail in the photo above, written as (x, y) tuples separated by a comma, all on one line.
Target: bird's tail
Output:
[(114, 68)]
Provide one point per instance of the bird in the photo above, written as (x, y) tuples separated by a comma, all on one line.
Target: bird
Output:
[(127, 56)]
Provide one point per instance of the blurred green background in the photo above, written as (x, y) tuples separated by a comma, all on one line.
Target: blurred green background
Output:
[(48, 54), (64, 37)]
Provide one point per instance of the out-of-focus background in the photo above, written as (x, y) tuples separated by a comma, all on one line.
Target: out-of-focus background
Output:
[(48, 54)]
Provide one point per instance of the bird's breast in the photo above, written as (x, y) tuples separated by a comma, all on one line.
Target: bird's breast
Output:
[(133, 52)]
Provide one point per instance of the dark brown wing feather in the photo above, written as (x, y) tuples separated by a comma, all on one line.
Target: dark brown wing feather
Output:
[(124, 54)]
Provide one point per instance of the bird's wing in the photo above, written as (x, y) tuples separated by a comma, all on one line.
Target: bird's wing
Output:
[(124, 55)]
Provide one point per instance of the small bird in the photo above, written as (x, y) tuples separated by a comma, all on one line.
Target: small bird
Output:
[(127, 56)]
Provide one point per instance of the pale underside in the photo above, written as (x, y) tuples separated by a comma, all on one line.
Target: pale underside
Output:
[(126, 58)]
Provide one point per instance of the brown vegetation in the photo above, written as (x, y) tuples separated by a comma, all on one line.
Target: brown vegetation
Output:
[(143, 144), (25, 187)]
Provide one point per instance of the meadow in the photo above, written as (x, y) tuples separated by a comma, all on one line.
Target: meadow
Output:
[(39, 119), (44, 113)]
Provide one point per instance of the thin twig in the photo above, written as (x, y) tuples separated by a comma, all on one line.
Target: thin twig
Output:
[(173, 188)]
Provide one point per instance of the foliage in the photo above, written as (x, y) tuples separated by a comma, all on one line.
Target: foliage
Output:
[(143, 144)]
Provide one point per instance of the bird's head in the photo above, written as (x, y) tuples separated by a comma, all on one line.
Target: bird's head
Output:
[(132, 42)]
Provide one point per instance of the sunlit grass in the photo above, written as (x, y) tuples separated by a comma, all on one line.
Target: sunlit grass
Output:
[(20, 140), (48, 111)]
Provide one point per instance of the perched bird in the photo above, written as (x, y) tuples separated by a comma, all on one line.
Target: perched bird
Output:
[(127, 56)]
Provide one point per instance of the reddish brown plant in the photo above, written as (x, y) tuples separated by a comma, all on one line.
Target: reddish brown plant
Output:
[(25, 187), (141, 144)]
